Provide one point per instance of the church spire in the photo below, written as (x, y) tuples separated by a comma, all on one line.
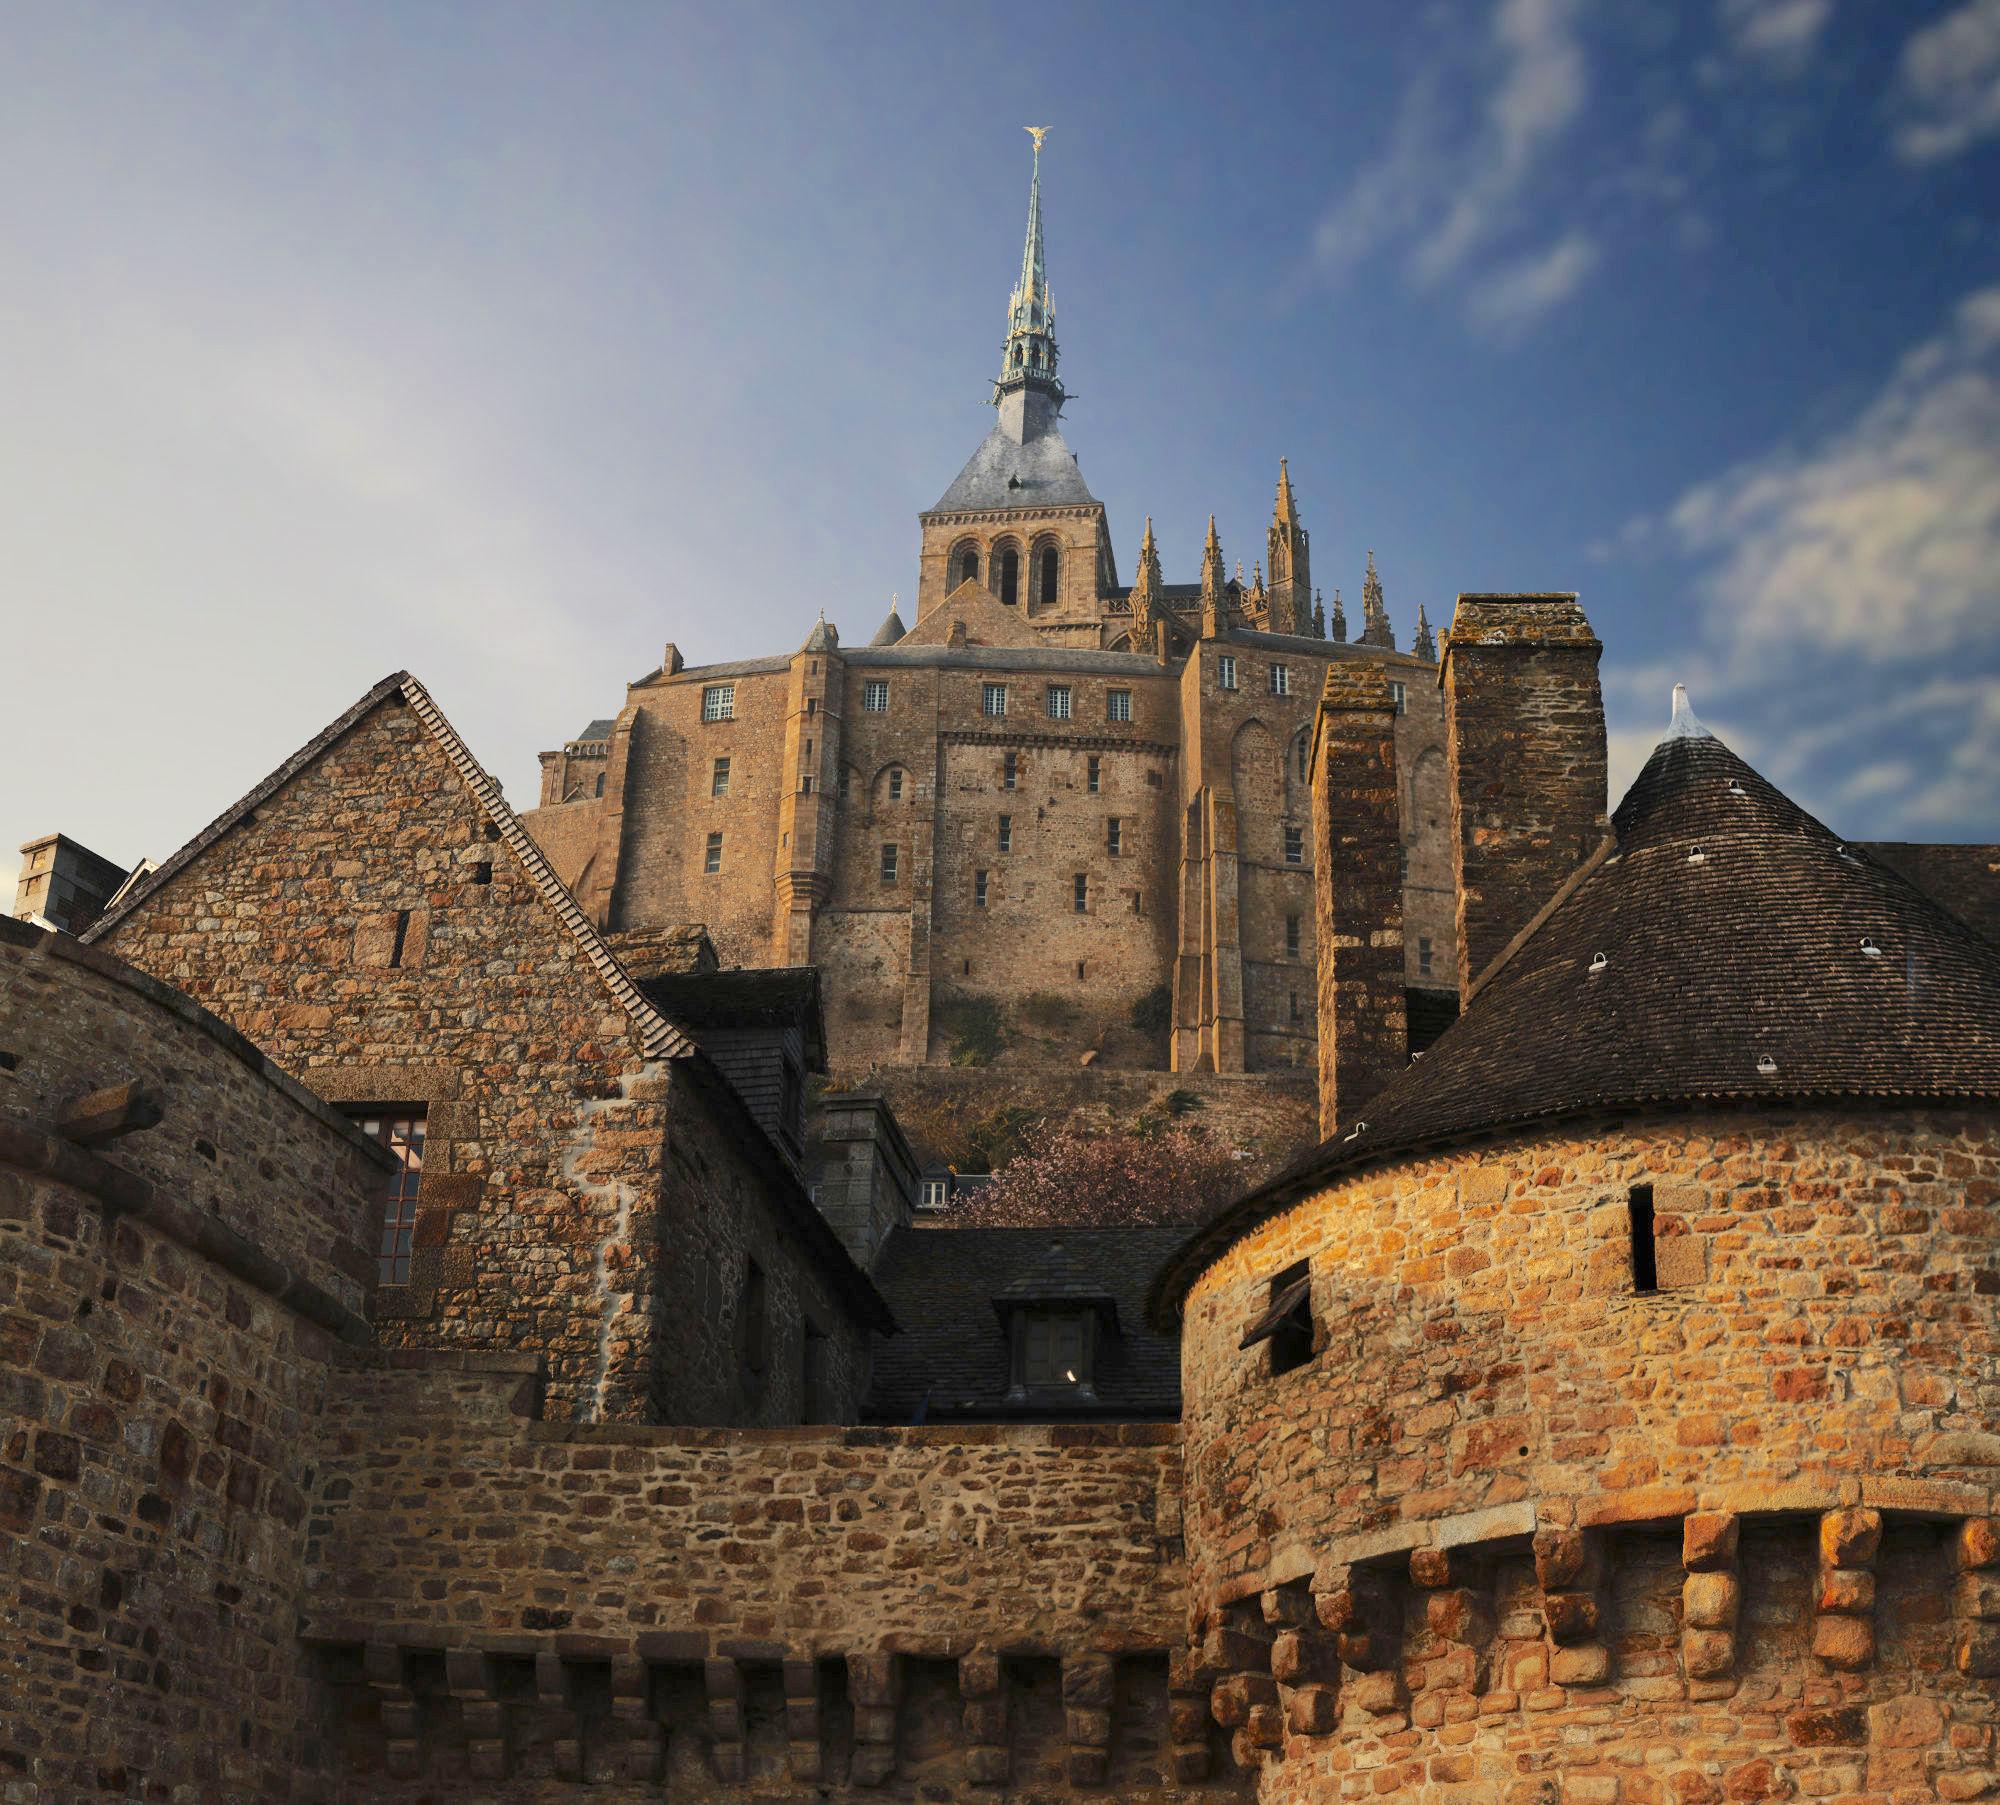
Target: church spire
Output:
[(1291, 565), (1375, 627), (1028, 360)]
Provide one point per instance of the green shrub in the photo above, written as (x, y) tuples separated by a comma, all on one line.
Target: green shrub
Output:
[(1153, 1013)]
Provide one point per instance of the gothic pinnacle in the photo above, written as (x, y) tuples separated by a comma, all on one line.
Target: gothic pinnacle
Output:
[(1339, 618), (1375, 627), (1426, 641), (1029, 356)]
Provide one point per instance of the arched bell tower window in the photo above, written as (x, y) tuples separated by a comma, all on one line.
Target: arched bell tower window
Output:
[(968, 564), (1046, 594), (1010, 577)]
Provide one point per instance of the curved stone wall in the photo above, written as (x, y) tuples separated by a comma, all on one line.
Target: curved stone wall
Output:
[(1518, 1520)]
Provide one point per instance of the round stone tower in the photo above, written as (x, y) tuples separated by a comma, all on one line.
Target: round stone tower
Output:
[(1614, 1414)]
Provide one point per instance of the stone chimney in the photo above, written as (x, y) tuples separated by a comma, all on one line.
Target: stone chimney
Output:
[(1524, 724), (1357, 891), (863, 1174)]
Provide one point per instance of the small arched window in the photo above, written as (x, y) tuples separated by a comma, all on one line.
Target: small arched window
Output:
[(1046, 594), (1010, 576), (968, 565)]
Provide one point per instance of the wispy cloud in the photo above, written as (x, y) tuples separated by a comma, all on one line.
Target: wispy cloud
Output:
[(1780, 34), (1511, 300), (1948, 84), (1446, 197), (1839, 578)]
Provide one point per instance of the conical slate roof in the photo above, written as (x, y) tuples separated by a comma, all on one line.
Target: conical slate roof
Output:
[(890, 630), (1748, 956)]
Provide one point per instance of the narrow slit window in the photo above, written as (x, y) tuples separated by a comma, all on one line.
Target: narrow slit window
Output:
[(711, 861), (1095, 775), (1082, 893), (979, 889), (718, 779), (1006, 833), (1010, 770), (402, 936), (1295, 846), (1291, 936), (402, 1132), (1114, 836), (888, 864), (1645, 1250), (895, 786)]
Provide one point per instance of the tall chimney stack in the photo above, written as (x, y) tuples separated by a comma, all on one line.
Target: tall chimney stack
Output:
[(1357, 891), (1524, 724)]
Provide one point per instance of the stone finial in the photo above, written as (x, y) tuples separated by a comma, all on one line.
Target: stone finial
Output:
[(1319, 617), (1683, 724), (1339, 618), (1426, 641), (1375, 627)]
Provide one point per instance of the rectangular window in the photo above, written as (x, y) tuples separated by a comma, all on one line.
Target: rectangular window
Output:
[(1225, 673), (1114, 836), (1295, 846), (888, 864), (1082, 892), (1058, 701), (712, 859), (1401, 697), (1006, 833), (718, 779), (1295, 1005), (1010, 770), (401, 1130), (1291, 936), (1118, 705), (1094, 777), (896, 786), (846, 777), (1423, 955), (805, 785), (979, 889), (1645, 1255), (875, 696), (1281, 679), (718, 702), (812, 706), (937, 1193), (1052, 1349), (1286, 1322), (993, 699)]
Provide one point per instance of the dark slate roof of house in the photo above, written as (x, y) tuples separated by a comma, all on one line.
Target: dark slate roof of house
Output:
[(780, 996), (1964, 879), (1735, 929), (597, 730), (951, 1358), (1005, 472)]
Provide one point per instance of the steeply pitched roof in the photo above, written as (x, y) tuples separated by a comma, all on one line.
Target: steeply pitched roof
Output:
[(952, 1358), (891, 630), (660, 1038), (1965, 879), (1736, 935), (1005, 472), (599, 729)]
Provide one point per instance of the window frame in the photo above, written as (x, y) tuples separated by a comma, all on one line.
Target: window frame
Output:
[(875, 695), (1057, 700), (711, 858), (718, 702), (890, 861), (1118, 705), (1006, 833), (1286, 1321), (993, 701), (1295, 844), (402, 1189), (1080, 894), (1280, 676), (981, 889), (1114, 836), (1225, 672)]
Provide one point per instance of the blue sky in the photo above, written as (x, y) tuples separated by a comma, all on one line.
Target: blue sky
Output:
[(506, 343)]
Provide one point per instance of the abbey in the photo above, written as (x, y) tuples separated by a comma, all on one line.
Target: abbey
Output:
[(1048, 784)]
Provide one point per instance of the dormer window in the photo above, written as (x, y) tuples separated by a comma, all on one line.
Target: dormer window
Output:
[(1055, 1349)]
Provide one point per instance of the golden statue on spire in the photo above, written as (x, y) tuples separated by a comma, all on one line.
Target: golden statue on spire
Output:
[(1038, 133)]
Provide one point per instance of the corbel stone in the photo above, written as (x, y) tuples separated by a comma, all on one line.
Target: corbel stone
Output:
[(875, 1685), (1303, 1661), (1187, 1718), (469, 1678), (1359, 1605), (1711, 1597), (1975, 1599), (802, 1739), (1460, 1619), (980, 1685), (1569, 1566), (642, 1743), (1087, 1683), (382, 1667), (722, 1680), (553, 1697), (1844, 1633)]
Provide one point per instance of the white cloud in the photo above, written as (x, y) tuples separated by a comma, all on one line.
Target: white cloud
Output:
[(1948, 84), (1512, 300), (1778, 33), (1887, 532), (1446, 195), (1850, 595)]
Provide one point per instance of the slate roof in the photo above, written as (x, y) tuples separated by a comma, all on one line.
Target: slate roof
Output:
[(951, 1358), (1965, 879), (1732, 926), (779, 996), (1008, 473), (597, 730), (891, 630)]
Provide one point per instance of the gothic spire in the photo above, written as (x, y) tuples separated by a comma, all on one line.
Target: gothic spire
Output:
[(1339, 617), (1427, 645), (1213, 578), (1290, 562), (1146, 585), (1375, 627), (1029, 357)]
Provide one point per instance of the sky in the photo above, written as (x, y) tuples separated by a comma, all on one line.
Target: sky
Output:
[(506, 343)]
